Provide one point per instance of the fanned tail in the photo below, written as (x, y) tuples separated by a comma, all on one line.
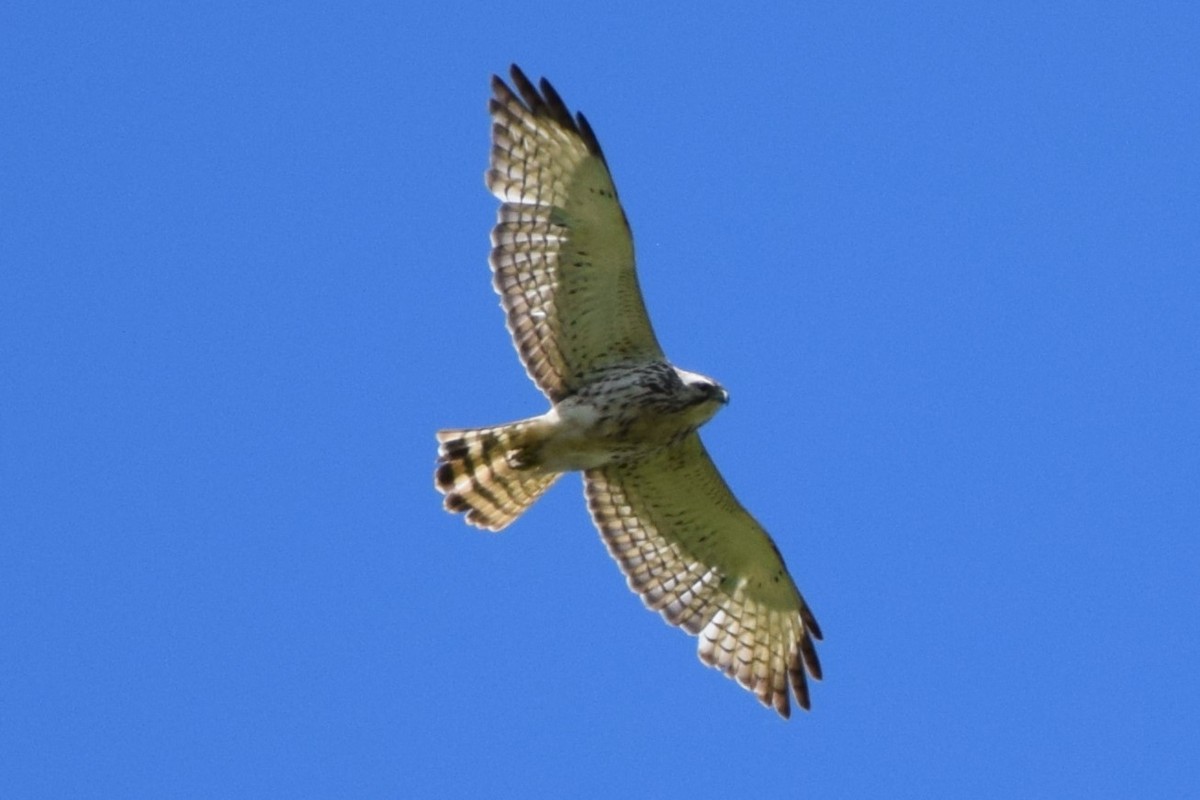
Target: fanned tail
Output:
[(486, 473)]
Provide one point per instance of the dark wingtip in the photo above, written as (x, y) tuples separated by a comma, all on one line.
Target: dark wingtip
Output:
[(810, 623), (525, 88), (809, 651), (589, 136), (800, 689), (543, 99), (556, 107), (783, 707)]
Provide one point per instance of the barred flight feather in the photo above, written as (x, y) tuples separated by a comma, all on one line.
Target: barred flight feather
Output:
[(480, 474), (563, 264), (695, 556)]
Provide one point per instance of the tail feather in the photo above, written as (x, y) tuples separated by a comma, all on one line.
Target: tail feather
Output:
[(484, 472)]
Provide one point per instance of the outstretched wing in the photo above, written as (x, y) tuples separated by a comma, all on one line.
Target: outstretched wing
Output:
[(696, 556), (562, 252)]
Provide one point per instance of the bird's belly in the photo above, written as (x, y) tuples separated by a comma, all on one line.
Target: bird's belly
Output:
[(586, 437)]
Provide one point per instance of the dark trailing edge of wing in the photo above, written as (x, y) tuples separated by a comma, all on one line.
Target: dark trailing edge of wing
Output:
[(546, 103)]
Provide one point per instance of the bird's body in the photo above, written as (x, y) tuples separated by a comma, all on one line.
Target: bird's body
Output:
[(626, 414), (620, 412), (622, 415)]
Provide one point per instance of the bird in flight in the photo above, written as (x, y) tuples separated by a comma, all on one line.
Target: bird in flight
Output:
[(563, 264)]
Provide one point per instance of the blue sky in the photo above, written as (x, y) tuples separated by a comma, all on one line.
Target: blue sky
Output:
[(944, 257)]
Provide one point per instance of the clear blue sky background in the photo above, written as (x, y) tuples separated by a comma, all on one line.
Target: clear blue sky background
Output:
[(944, 257)]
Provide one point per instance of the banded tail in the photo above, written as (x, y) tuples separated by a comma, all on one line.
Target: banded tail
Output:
[(485, 472)]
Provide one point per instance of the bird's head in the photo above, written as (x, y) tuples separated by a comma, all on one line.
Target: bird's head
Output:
[(704, 395)]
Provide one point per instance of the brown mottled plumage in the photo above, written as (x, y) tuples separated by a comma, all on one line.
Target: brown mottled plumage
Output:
[(563, 265)]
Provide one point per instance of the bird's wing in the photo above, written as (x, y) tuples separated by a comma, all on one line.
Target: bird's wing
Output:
[(696, 556), (562, 252)]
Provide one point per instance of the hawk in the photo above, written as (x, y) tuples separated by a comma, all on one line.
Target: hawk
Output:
[(620, 412)]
